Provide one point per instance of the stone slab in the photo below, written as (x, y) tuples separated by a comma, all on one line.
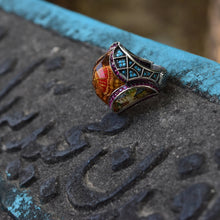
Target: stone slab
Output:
[(67, 157)]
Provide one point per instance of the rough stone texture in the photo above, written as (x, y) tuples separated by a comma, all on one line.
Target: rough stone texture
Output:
[(12, 169), (49, 189), (54, 63), (110, 124), (177, 121), (191, 201), (190, 165), (122, 158), (214, 212), (155, 216), (3, 32), (7, 65), (217, 157), (26, 176)]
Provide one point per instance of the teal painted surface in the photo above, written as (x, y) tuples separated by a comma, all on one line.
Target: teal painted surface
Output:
[(194, 71), (19, 203)]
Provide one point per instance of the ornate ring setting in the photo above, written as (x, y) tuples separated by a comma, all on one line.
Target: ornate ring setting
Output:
[(122, 79)]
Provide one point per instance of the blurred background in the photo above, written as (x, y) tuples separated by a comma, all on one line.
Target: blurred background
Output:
[(191, 25)]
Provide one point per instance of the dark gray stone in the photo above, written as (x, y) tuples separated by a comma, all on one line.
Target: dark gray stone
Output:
[(190, 165), (17, 121), (31, 151), (20, 77), (54, 63), (155, 216), (61, 89), (110, 124), (20, 144), (129, 210), (176, 118), (217, 157), (49, 189), (4, 108), (3, 32), (27, 176), (12, 169), (192, 201), (7, 65), (214, 212), (82, 197), (122, 158)]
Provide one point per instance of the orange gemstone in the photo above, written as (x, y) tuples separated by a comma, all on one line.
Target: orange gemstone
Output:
[(104, 80)]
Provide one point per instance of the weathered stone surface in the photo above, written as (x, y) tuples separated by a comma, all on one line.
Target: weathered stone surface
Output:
[(217, 157), (122, 158), (12, 169), (190, 165), (61, 89), (155, 216), (51, 154), (54, 63), (4, 215), (7, 65), (17, 121), (214, 212), (49, 189), (17, 145), (3, 32), (27, 175), (192, 201), (19, 78), (176, 118), (110, 124), (4, 108), (88, 199), (31, 151), (129, 210)]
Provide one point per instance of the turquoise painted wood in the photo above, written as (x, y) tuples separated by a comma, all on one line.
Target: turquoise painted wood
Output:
[(194, 71)]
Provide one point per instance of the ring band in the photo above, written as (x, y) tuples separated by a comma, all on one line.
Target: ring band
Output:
[(122, 79)]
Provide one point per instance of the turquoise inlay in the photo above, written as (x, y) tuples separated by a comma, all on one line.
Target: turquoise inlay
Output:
[(146, 74), (155, 75), (119, 53), (121, 63), (124, 72), (137, 68), (191, 70), (19, 203), (130, 62), (132, 74)]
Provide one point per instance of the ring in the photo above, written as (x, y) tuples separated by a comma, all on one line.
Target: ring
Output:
[(122, 79)]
